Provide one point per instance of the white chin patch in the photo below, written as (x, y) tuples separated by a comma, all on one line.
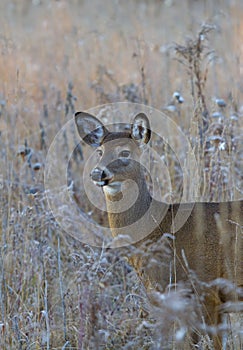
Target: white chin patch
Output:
[(113, 188), (99, 183)]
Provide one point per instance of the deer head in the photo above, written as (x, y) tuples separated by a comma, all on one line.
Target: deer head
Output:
[(118, 152)]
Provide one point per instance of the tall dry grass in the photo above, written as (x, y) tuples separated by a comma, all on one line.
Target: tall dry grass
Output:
[(59, 56)]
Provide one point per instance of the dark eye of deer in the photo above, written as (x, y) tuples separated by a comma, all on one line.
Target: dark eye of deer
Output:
[(99, 152), (124, 154)]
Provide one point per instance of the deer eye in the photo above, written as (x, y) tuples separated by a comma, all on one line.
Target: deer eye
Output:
[(99, 152), (124, 154)]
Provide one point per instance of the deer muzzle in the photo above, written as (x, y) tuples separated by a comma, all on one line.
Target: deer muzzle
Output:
[(101, 177)]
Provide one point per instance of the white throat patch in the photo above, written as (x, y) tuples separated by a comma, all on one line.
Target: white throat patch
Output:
[(113, 188)]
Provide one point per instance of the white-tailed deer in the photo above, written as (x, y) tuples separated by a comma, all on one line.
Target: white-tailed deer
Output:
[(205, 253)]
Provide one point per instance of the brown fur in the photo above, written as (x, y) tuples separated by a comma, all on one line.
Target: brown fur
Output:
[(207, 248)]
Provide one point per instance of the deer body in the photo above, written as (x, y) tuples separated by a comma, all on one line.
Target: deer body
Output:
[(209, 246)]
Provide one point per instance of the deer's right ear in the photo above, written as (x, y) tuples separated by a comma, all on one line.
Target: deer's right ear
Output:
[(90, 129)]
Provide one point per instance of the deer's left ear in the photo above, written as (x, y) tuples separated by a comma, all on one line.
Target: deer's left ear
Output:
[(140, 130)]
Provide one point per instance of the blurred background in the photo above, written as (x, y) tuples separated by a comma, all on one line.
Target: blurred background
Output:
[(103, 47)]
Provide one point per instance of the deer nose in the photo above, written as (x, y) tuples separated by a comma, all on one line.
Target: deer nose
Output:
[(98, 174)]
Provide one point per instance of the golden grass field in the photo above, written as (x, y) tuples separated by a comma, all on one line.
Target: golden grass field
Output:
[(57, 57)]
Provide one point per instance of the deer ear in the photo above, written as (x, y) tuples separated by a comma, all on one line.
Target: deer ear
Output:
[(90, 129), (141, 128)]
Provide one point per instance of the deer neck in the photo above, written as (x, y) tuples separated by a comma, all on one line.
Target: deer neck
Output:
[(127, 202)]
